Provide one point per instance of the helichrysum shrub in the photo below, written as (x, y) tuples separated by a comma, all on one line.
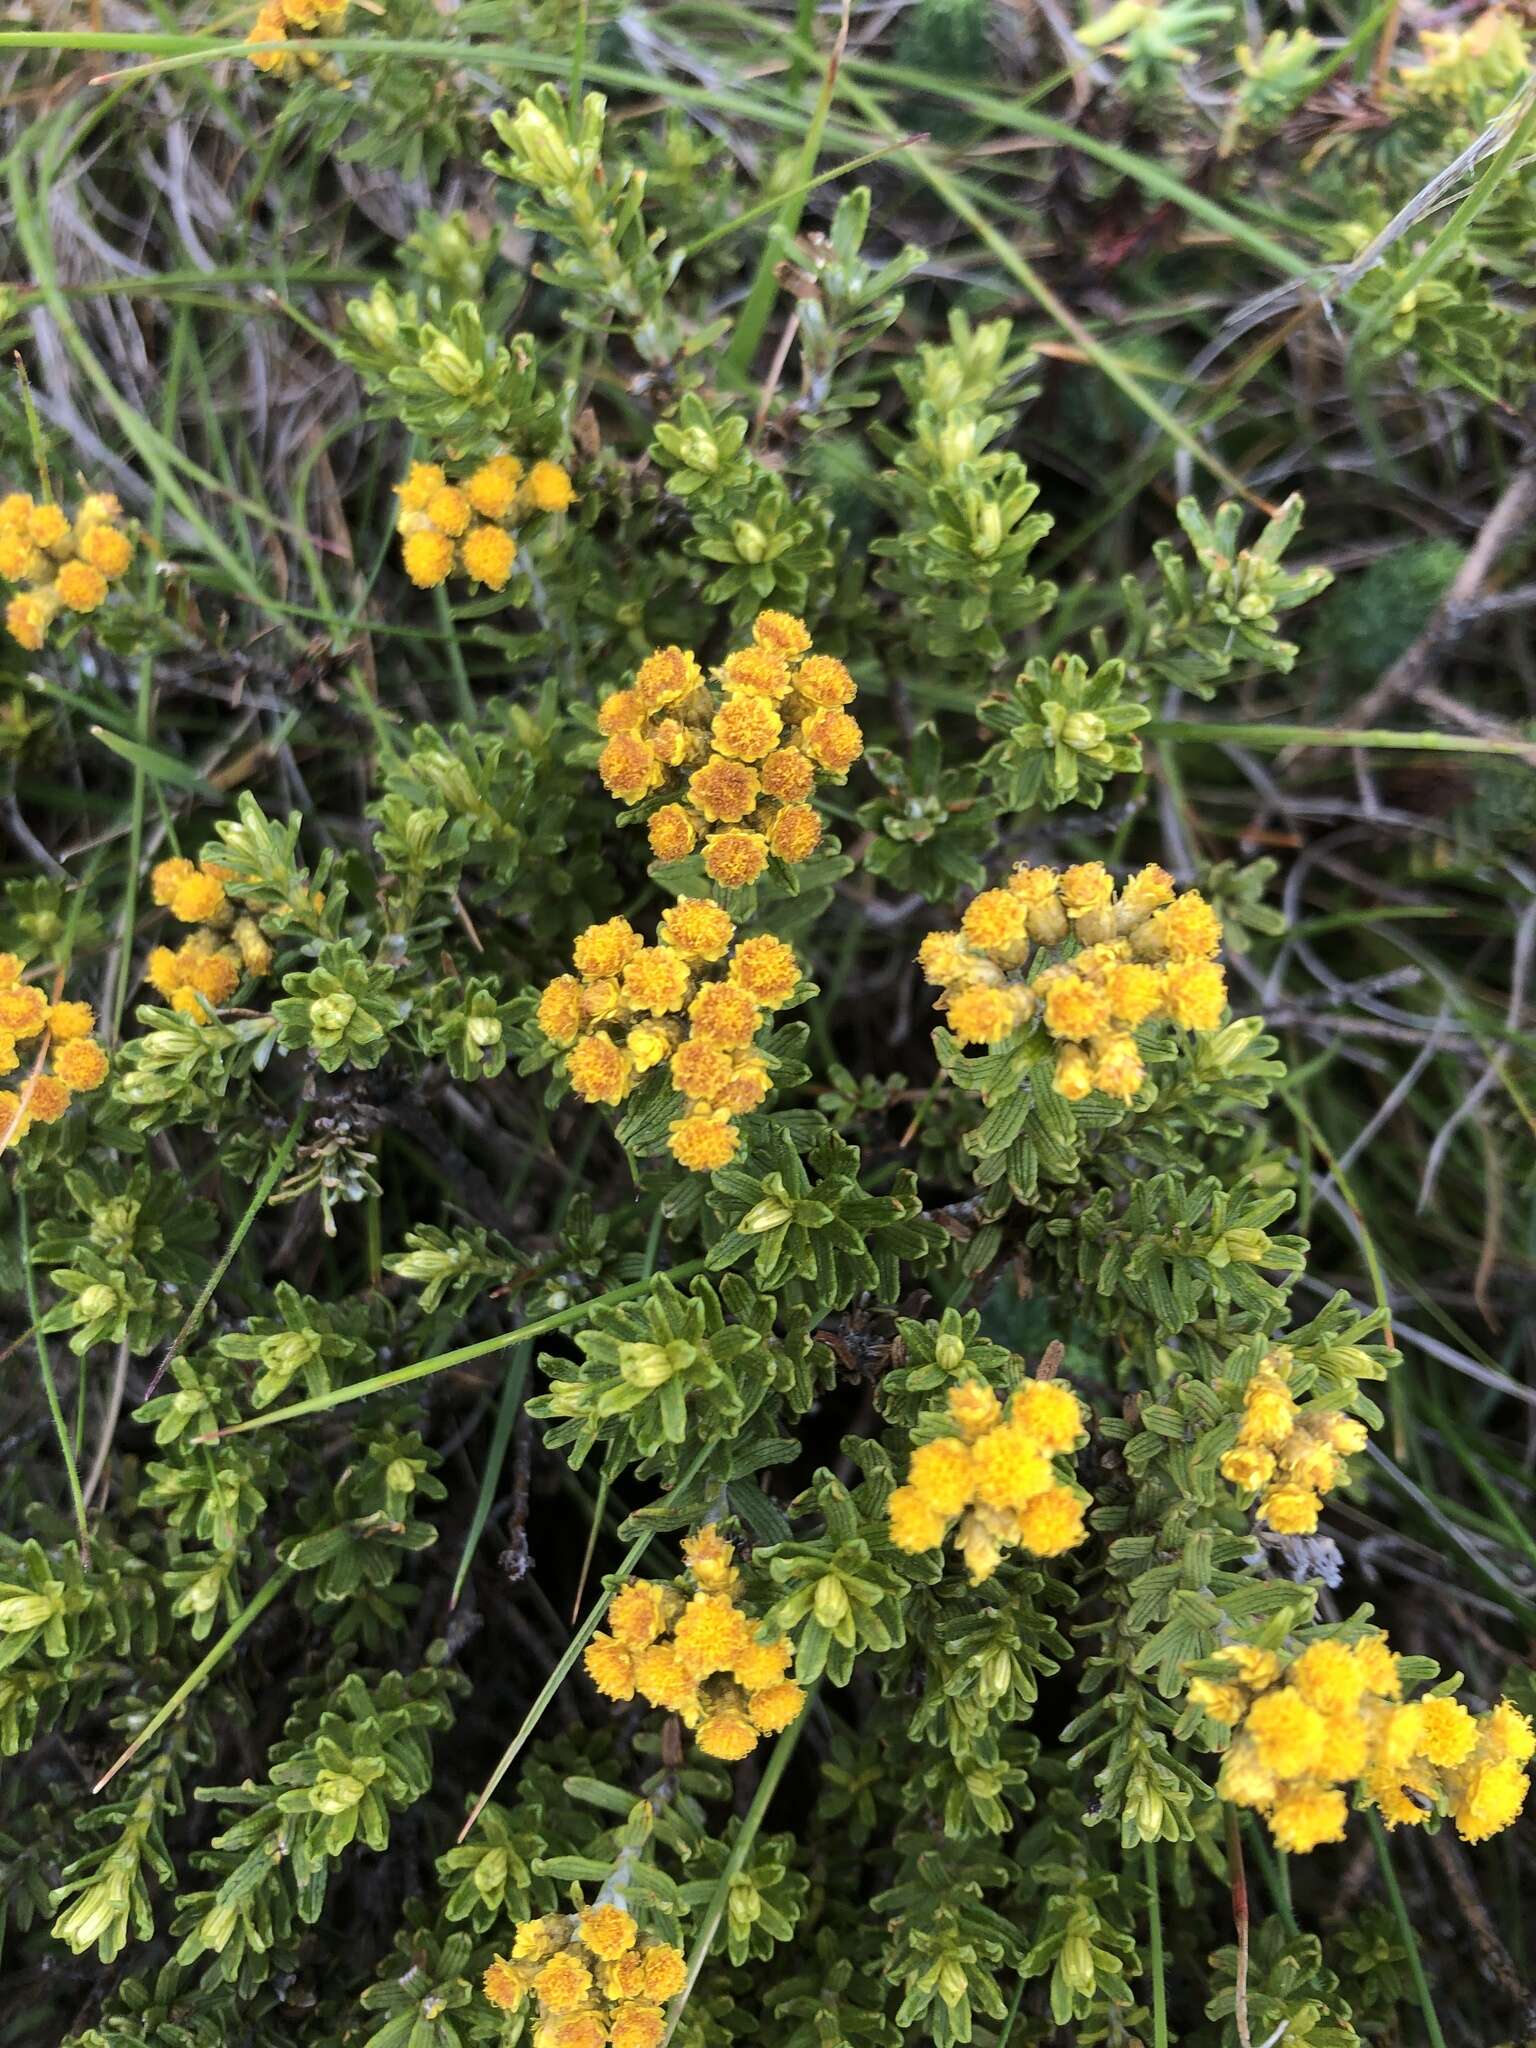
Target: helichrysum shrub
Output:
[(893, 1558)]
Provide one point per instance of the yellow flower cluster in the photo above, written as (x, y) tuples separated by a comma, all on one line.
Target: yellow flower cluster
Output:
[(468, 525), (1288, 1456), (63, 564), (288, 22), (1334, 1716), (994, 1474), (736, 755), (690, 1647), (207, 967), (1145, 956), (594, 1981), (75, 1062), (694, 1001)]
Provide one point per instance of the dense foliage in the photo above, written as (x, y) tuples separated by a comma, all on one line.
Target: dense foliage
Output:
[(766, 1098)]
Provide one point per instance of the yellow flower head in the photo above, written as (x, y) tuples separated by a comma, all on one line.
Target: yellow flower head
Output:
[(781, 633), (47, 527), (767, 969), (70, 1020), (449, 510), (916, 1524), (1086, 888), (1187, 928), (941, 1474), (492, 488), (1291, 1510), (559, 1013), (1117, 1068), (1508, 1733), (28, 616), (548, 488), (1075, 1008), (703, 1141), (80, 1064), (725, 1013), (982, 1016), (608, 1931), (1222, 1703), (997, 922), (794, 834), (599, 1070), (107, 549), (657, 980), (665, 1971), (727, 1735), (80, 587), (660, 1677), (666, 676), (787, 775), (946, 960), (1307, 1814), (1328, 1677), (772, 1708), (637, 1614), (823, 680), (697, 928), (1052, 1522), (1286, 1733), (23, 1011), (973, 1408), (746, 1088), (833, 739), (1009, 1466), (1195, 994), (563, 1983), (198, 898), (711, 1560), (1378, 1667), (504, 1985), (636, 2025), (1050, 1412), (428, 557), (710, 1634), (629, 767), (608, 948), (1245, 1779), (756, 671), (700, 1069), (1073, 1077), (611, 1667), (746, 728), (487, 555), (1447, 1732), (724, 791), (1248, 1466), (1490, 1800), (671, 833), (735, 859), (1269, 1411)]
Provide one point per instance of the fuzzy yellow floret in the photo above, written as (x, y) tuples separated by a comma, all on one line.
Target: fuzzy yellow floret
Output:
[(548, 488), (599, 1070), (781, 633), (725, 1013), (704, 1141), (611, 1667), (1052, 1522), (1305, 1815), (794, 834), (671, 833), (1286, 1733), (735, 859), (1490, 1801), (81, 1064), (488, 555), (915, 1523), (608, 1931)]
